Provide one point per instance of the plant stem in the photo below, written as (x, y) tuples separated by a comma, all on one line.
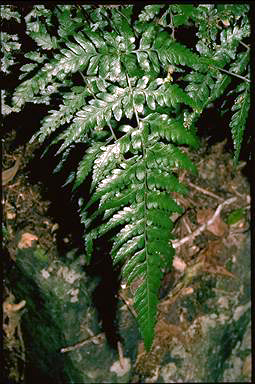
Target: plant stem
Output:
[(112, 131), (245, 45), (231, 73), (130, 87)]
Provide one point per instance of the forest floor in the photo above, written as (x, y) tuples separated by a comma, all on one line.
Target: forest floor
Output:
[(211, 231)]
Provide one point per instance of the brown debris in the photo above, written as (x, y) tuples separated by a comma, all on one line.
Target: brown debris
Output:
[(9, 173), (13, 340), (218, 227), (27, 240)]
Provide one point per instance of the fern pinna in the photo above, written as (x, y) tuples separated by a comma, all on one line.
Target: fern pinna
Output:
[(133, 117)]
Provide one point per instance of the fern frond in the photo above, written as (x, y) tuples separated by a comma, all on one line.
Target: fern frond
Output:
[(8, 12), (97, 113), (146, 299), (110, 156), (219, 87), (9, 45), (170, 52), (86, 164), (136, 194), (181, 14), (70, 19), (149, 12), (120, 81), (239, 118), (44, 39), (171, 129), (70, 60), (241, 63), (73, 101), (160, 92), (204, 89)]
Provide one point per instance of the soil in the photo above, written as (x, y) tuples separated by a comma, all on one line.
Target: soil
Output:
[(186, 292)]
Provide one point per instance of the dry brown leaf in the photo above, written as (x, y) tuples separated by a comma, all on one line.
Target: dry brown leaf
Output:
[(179, 264), (212, 259), (187, 291), (218, 227), (211, 253), (166, 331), (218, 270), (27, 240)]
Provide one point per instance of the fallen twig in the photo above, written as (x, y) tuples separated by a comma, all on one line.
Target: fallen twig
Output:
[(121, 356), (206, 192), (97, 339), (178, 243), (131, 309), (186, 224)]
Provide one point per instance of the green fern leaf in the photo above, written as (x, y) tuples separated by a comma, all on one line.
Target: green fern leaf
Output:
[(35, 56), (96, 114), (238, 120), (135, 192), (241, 63), (171, 129), (220, 86), (182, 13), (149, 12), (170, 52), (43, 39), (69, 21), (86, 164), (110, 156), (146, 300), (73, 102), (8, 12)]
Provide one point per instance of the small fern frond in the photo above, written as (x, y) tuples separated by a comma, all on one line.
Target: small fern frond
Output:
[(149, 12), (204, 89), (43, 38), (73, 102), (239, 118), (86, 164), (96, 114), (160, 92), (219, 87), (170, 52), (181, 14), (171, 129), (8, 12), (241, 63), (70, 20), (110, 156), (10, 44)]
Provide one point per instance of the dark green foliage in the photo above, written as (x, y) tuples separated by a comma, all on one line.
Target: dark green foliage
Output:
[(133, 117), (238, 120)]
